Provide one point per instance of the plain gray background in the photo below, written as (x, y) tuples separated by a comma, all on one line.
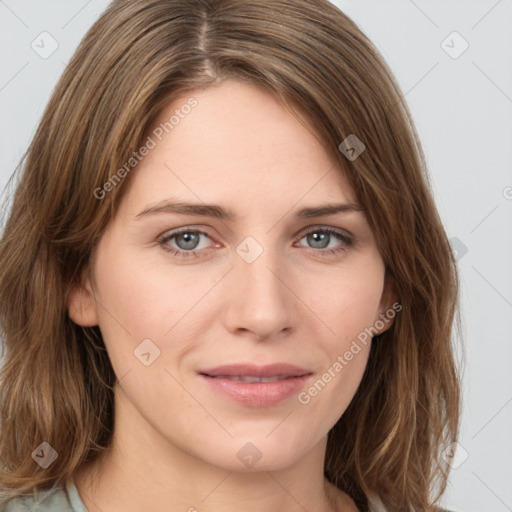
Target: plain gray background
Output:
[(461, 102)]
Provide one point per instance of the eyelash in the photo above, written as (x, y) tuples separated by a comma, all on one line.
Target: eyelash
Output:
[(347, 242)]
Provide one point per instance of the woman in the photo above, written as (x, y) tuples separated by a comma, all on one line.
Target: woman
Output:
[(223, 277)]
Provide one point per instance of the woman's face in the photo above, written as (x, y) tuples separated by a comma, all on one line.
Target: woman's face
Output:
[(196, 307)]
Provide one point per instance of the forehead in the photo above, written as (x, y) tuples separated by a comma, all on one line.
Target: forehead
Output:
[(236, 142)]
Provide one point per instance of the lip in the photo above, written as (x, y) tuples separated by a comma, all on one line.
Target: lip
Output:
[(289, 381)]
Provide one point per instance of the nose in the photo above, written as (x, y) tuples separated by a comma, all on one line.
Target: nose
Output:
[(260, 303)]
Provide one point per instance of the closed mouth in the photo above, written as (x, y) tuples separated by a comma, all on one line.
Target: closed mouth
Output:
[(249, 378)]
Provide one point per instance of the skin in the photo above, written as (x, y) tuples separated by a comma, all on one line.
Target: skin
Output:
[(176, 440)]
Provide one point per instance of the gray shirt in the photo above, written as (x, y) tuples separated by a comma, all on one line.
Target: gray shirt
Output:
[(67, 499), (58, 499)]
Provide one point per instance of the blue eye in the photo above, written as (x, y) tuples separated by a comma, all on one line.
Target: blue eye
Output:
[(321, 238), (186, 242)]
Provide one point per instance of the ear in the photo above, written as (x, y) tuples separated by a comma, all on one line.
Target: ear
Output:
[(388, 307), (81, 303)]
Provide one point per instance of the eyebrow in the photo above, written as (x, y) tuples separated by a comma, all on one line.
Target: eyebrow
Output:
[(219, 212)]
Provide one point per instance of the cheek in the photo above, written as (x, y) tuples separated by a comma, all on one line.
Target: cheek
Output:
[(331, 393), (349, 298), (346, 354), (349, 307), (138, 301), (128, 307)]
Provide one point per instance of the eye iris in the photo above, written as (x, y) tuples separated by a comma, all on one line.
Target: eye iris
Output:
[(322, 238), (191, 240)]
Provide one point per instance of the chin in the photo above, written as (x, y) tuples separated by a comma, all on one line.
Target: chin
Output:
[(259, 452)]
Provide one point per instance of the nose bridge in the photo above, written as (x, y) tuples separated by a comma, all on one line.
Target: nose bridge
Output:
[(259, 301)]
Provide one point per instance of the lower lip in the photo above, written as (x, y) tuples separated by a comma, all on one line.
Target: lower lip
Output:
[(257, 394)]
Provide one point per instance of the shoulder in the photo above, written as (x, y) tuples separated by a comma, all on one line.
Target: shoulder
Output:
[(54, 500)]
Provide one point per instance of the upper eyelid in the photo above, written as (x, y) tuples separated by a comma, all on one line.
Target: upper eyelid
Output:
[(327, 228), (204, 230)]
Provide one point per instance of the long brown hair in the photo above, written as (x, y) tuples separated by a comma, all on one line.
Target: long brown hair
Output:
[(57, 380)]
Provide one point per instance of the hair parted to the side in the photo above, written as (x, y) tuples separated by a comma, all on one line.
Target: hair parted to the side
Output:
[(57, 380)]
